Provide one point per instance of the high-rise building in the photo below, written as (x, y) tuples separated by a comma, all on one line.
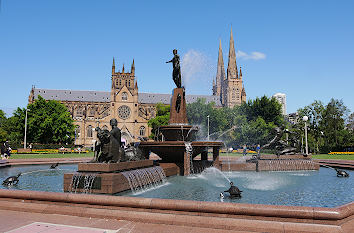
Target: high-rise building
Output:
[(282, 100)]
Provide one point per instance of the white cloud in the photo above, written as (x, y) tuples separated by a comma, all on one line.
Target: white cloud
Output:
[(196, 69), (252, 56)]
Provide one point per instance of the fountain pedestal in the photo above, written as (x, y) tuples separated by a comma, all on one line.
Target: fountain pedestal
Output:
[(109, 178), (177, 135)]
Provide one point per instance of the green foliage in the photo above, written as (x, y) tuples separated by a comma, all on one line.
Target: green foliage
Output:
[(162, 117), (3, 133), (251, 123), (47, 122), (267, 108), (333, 125), (327, 129)]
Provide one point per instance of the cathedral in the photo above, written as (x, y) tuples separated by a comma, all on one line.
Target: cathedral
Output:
[(229, 88), (133, 109)]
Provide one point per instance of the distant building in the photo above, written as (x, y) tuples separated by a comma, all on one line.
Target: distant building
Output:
[(293, 118), (282, 100), (229, 88)]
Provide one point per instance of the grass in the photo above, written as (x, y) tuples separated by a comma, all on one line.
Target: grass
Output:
[(57, 155), (327, 156), (76, 155), (319, 156)]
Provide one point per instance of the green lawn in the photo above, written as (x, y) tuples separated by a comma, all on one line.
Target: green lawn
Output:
[(320, 156), (327, 156), (57, 155), (76, 155)]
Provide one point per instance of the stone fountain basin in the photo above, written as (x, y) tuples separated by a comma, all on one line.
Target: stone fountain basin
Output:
[(178, 132), (173, 151)]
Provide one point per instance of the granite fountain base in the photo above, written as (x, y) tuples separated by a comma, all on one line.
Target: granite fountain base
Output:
[(106, 178)]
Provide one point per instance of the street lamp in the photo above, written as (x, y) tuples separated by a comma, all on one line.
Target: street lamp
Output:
[(287, 136), (24, 140), (305, 118), (208, 127)]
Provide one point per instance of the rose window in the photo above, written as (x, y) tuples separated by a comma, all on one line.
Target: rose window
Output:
[(124, 112)]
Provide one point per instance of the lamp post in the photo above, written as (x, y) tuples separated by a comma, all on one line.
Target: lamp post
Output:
[(208, 127), (305, 118), (287, 136), (24, 140)]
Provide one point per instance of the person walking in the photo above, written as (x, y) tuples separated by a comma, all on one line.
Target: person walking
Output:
[(244, 150), (258, 150)]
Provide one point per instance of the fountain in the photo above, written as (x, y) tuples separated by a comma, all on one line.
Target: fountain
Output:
[(179, 147)]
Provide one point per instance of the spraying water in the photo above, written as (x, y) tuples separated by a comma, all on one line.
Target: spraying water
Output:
[(145, 178), (189, 150)]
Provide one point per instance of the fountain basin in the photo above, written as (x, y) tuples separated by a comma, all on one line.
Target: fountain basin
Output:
[(173, 151), (178, 132)]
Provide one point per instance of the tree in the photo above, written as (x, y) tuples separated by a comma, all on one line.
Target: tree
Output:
[(162, 117), (267, 108), (47, 122), (315, 113), (333, 124), (3, 133), (350, 124)]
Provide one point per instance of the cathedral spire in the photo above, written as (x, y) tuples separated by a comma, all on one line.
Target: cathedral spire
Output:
[(220, 74), (133, 68), (232, 67), (240, 73), (113, 67), (123, 69)]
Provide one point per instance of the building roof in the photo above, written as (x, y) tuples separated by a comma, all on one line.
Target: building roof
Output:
[(71, 95), (104, 96)]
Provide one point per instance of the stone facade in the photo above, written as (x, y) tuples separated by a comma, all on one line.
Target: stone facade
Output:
[(229, 88)]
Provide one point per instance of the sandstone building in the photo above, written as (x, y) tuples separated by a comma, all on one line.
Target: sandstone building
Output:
[(132, 109), (229, 89)]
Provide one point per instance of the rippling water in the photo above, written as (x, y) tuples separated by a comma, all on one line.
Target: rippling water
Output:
[(301, 188), (38, 177)]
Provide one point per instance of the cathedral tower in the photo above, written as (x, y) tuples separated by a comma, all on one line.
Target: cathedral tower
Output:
[(232, 90), (220, 75)]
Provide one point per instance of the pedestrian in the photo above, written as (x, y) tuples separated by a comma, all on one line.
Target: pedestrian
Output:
[(258, 150), (244, 150), (7, 149)]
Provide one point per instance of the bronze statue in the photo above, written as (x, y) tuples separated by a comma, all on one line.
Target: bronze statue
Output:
[(234, 191), (176, 74), (108, 148), (279, 145)]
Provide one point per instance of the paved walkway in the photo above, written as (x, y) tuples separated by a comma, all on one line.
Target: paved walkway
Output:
[(16, 222)]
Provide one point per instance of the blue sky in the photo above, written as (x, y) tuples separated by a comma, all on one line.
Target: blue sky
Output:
[(304, 49)]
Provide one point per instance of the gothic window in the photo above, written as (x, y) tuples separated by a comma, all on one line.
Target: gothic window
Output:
[(77, 131), (233, 94), (129, 83), (124, 112), (124, 96), (92, 111), (126, 82), (120, 82), (79, 111), (117, 82), (237, 93), (89, 131), (142, 131)]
